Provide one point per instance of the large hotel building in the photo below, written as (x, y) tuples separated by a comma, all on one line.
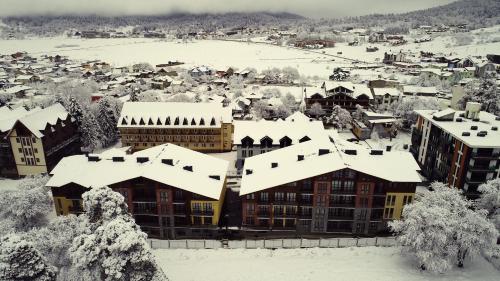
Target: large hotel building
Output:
[(461, 148), (326, 187), (172, 192), (203, 127)]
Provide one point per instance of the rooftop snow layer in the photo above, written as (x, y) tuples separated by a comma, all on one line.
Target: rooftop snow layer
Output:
[(395, 166), (79, 170), (38, 120), (165, 114)]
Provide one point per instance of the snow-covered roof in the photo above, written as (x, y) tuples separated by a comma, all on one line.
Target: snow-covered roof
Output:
[(16, 89), (386, 91), (37, 120), (8, 117), (421, 90), (298, 116), (486, 122), (356, 89), (174, 115), (276, 130), (394, 166), (201, 180)]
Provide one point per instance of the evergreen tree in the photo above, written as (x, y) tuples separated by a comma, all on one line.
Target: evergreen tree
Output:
[(20, 261), (107, 119), (112, 247), (90, 131)]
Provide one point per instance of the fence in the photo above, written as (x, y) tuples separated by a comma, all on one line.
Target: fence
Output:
[(273, 243)]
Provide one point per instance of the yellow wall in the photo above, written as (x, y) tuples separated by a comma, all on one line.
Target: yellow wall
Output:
[(23, 169), (397, 207), (216, 206), (62, 205)]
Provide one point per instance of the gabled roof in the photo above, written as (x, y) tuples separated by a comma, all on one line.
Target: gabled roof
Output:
[(38, 120), (8, 117), (386, 91), (355, 89), (394, 166), (205, 115), (276, 130), (79, 170)]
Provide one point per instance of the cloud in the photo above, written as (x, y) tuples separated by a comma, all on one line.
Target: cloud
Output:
[(309, 8)]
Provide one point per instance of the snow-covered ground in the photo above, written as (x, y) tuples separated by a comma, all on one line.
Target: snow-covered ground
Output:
[(315, 264), (8, 184)]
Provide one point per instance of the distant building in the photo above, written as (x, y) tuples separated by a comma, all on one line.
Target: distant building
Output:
[(461, 148), (420, 91), (8, 117), (41, 138), (345, 94), (172, 192), (390, 57), (205, 127), (256, 137), (386, 96), (326, 188)]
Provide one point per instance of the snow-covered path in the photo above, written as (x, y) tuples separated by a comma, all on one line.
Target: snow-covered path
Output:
[(359, 264)]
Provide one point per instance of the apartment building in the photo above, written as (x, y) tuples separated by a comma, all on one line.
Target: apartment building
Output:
[(8, 118), (39, 138), (204, 127), (256, 137), (461, 148), (345, 94), (326, 188), (171, 191)]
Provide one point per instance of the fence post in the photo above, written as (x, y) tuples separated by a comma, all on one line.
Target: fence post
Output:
[(187, 244), (282, 243), (357, 241), (338, 242), (376, 241), (204, 244)]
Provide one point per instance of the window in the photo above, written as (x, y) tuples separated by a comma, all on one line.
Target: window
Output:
[(250, 209), (18, 140), (365, 189), (36, 150), (196, 207), (336, 185), (243, 153), (264, 196), (407, 199), (361, 214), (163, 196), (388, 213), (390, 200), (290, 197), (278, 210), (22, 159), (249, 220), (279, 196), (322, 187), (250, 196), (33, 140), (20, 150), (38, 160)]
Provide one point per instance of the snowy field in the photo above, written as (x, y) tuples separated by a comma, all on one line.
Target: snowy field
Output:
[(316, 264)]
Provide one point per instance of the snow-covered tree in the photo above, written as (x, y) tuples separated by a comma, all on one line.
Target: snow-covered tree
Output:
[(340, 117), (339, 74), (358, 114), (441, 229), (89, 129), (112, 247), (107, 118), (28, 206), (260, 110), (133, 96), (490, 201), (405, 108), (149, 96), (180, 98), (20, 261), (316, 110), (289, 102), (485, 93)]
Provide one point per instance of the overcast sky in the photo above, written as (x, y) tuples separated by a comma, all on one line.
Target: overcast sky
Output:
[(309, 8)]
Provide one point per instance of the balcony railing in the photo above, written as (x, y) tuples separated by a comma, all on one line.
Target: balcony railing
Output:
[(485, 155), (202, 212), (342, 204)]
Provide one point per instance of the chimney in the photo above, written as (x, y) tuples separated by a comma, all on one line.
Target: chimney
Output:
[(214, 177), (188, 168), (93, 158), (472, 110), (300, 157), (248, 171), (118, 159), (274, 165), (351, 151), (168, 161), (388, 148), (142, 159), (323, 151), (376, 152)]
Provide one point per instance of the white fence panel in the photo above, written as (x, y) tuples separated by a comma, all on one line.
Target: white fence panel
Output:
[(196, 244), (329, 243), (273, 244), (254, 244), (306, 243), (386, 241), (347, 242), (363, 242), (178, 244), (291, 243), (213, 244), (236, 244)]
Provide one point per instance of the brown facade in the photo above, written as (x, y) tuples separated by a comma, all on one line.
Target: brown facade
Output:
[(341, 202), (343, 100)]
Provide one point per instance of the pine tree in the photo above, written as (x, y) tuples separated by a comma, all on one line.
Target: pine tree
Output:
[(107, 119), (20, 261), (112, 247), (90, 131)]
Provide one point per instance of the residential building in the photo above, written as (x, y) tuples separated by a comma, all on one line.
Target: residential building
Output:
[(171, 191), (390, 57), (256, 137), (419, 91), (485, 70), (41, 138), (345, 94), (461, 148), (386, 96), (8, 118), (205, 127), (326, 188)]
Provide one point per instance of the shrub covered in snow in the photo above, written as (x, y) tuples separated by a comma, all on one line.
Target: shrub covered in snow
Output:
[(441, 229), (20, 261)]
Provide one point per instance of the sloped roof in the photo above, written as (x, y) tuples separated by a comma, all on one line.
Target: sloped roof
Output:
[(165, 114), (394, 166), (383, 91), (38, 120), (8, 117), (77, 169), (276, 130)]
